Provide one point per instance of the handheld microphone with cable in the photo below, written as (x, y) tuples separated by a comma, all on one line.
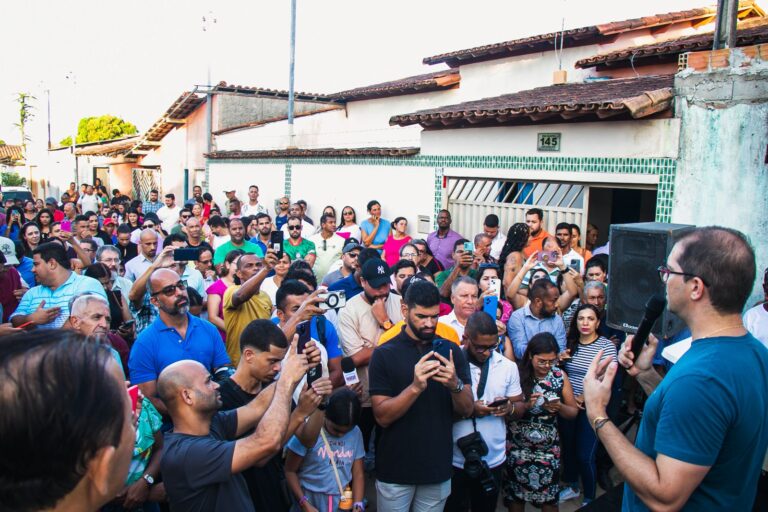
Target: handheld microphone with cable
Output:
[(349, 371), (653, 310)]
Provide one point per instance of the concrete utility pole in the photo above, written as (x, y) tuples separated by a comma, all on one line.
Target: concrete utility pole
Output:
[(71, 76), (291, 136), (209, 20), (725, 26)]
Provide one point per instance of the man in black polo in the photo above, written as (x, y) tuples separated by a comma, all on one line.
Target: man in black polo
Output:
[(416, 389)]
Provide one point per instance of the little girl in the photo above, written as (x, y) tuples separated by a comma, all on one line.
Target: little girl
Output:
[(310, 471)]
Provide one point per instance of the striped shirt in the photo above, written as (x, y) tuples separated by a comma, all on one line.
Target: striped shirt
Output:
[(577, 367), (59, 298)]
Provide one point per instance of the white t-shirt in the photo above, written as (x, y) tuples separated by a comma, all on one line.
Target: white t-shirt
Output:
[(451, 321), (497, 244), (220, 240), (168, 216), (574, 256), (354, 232), (89, 203), (503, 380), (756, 322), (269, 287)]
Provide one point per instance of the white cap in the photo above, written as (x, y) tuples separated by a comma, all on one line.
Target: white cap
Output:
[(9, 250)]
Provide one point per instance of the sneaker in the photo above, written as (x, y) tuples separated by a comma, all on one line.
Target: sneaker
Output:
[(568, 494)]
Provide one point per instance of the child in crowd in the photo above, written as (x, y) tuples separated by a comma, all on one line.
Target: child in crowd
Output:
[(317, 475)]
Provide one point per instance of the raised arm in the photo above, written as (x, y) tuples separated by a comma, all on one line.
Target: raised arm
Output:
[(253, 285)]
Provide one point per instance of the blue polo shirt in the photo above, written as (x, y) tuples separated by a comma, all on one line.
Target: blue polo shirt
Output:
[(348, 284), (159, 346)]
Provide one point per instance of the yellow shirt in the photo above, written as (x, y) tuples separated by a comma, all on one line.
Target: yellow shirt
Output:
[(236, 319), (441, 331)]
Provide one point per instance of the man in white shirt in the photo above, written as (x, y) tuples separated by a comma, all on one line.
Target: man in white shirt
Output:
[(169, 214), (464, 292), (756, 319), (88, 202), (493, 230), (494, 379), (570, 257), (135, 267), (328, 246), (252, 206)]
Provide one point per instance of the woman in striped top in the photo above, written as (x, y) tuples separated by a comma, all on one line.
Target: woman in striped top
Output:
[(578, 438)]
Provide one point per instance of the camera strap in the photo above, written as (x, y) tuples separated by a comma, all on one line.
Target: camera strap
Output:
[(483, 380)]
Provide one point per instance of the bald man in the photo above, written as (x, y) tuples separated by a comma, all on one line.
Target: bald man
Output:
[(203, 457), (173, 336), (135, 267)]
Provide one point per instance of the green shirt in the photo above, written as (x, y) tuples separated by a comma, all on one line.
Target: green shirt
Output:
[(149, 422), (301, 251), (223, 250)]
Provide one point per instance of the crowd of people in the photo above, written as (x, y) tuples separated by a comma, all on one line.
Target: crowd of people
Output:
[(275, 362)]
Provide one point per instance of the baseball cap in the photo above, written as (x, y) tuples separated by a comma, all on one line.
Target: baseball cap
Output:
[(376, 272), (108, 222), (51, 200), (9, 250), (351, 246)]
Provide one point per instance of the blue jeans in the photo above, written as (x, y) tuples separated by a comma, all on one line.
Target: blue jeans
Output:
[(579, 449)]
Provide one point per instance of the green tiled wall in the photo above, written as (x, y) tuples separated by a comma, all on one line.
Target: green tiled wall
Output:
[(662, 167)]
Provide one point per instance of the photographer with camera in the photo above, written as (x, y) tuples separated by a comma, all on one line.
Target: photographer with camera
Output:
[(480, 441)]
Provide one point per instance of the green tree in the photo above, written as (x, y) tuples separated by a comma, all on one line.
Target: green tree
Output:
[(94, 129), (2, 142), (25, 115), (12, 179)]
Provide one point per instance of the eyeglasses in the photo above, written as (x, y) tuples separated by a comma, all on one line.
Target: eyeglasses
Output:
[(483, 350), (347, 213), (546, 363), (353, 255), (148, 226), (170, 290), (294, 228), (664, 273), (185, 216), (409, 255)]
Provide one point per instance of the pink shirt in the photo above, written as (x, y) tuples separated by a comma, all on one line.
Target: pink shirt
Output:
[(218, 288), (392, 249)]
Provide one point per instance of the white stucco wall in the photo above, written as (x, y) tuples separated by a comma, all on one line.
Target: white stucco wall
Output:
[(361, 124), (402, 191), (642, 138), (270, 179)]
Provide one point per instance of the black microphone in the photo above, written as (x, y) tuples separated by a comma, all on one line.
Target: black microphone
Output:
[(349, 371), (653, 310)]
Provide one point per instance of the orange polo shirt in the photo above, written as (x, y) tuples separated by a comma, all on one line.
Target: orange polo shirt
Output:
[(441, 331), (534, 243)]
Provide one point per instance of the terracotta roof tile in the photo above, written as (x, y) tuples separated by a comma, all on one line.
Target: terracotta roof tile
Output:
[(756, 32), (434, 81), (10, 153), (310, 153), (271, 93), (629, 97), (580, 36), (107, 148)]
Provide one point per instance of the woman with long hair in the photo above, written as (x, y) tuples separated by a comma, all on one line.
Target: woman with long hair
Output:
[(579, 440), (576, 246), (511, 259), (348, 227), (226, 273), (398, 237), (30, 211), (374, 229), (44, 220), (485, 274), (30, 238), (533, 455), (426, 259)]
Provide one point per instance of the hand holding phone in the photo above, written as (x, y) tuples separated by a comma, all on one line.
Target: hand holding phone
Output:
[(276, 243), (498, 403), (133, 394)]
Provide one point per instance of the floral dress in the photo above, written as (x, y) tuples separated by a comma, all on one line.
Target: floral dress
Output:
[(533, 449)]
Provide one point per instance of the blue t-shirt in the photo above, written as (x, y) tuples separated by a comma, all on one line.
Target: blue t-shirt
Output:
[(710, 411), (316, 472), (331, 336), (381, 233), (348, 285), (159, 346)]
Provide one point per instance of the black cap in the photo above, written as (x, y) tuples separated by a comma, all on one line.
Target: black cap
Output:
[(376, 272)]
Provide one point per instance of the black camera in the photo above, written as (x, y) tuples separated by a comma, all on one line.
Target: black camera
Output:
[(474, 448)]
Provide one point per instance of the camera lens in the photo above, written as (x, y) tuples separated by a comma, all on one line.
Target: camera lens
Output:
[(332, 300)]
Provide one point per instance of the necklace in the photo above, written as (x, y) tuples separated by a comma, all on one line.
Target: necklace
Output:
[(732, 326)]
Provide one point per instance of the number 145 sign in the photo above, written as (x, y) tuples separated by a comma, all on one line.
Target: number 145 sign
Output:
[(548, 142)]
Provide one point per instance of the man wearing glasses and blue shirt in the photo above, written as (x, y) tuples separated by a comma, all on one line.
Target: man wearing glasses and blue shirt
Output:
[(173, 336)]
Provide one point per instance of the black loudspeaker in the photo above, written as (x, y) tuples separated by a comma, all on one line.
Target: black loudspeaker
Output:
[(636, 252)]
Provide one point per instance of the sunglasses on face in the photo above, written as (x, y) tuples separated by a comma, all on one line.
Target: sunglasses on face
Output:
[(148, 226), (294, 228), (170, 290)]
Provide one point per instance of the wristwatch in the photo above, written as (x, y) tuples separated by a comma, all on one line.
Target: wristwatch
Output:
[(149, 479), (458, 387), (387, 325)]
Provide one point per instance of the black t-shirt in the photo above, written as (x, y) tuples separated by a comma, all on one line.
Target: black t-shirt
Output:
[(203, 245), (128, 252), (266, 484), (417, 449), (197, 470)]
